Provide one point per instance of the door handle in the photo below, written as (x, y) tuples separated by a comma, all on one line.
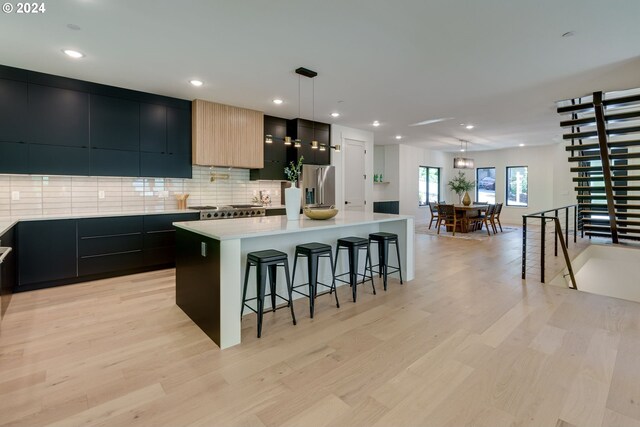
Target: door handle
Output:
[(346, 203)]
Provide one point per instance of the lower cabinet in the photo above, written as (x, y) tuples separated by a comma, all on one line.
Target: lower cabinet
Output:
[(46, 253), (159, 241), (59, 252), (109, 245)]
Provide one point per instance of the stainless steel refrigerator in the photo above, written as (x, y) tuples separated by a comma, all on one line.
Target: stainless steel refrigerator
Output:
[(318, 185)]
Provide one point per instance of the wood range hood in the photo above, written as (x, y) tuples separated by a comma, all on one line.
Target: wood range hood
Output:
[(228, 136)]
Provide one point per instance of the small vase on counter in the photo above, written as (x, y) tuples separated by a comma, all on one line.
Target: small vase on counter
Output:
[(292, 201), (466, 200)]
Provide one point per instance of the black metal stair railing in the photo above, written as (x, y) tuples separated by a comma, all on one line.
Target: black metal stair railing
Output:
[(536, 238), (605, 144)]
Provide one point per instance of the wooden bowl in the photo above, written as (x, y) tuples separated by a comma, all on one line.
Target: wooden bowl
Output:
[(320, 213)]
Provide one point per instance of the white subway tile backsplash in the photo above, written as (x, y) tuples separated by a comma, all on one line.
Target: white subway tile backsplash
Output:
[(80, 194)]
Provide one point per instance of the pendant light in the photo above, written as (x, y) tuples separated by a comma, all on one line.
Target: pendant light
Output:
[(462, 162), (297, 143)]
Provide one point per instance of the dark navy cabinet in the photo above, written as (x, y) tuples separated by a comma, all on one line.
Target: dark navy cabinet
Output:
[(115, 162), (58, 116), (46, 253), (115, 123), (165, 142), (308, 131), (59, 252), (159, 241), (51, 159), (14, 157), (153, 128), (275, 154), (179, 131), (13, 111), (60, 126)]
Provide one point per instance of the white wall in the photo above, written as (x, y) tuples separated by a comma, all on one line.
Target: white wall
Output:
[(549, 183), (338, 136), (410, 159), (387, 164)]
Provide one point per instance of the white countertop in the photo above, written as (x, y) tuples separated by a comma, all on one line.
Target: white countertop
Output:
[(8, 222), (242, 228)]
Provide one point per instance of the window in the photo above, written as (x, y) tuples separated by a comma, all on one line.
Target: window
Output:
[(517, 186), (428, 185), (486, 185)]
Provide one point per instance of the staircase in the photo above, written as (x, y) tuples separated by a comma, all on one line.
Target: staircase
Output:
[(604, 145)]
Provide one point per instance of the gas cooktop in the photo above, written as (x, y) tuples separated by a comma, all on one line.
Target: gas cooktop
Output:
[(229, 211)]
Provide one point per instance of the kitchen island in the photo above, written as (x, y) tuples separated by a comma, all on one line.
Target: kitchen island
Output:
[(211, 256)]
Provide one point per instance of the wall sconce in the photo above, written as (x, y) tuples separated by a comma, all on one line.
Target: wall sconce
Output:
[(268, 139), (323, 148), (287, 140), (314, 145), (297, 143), (215, 176)]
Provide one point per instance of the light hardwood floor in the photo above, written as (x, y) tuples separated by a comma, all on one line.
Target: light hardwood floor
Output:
[(466, 343)]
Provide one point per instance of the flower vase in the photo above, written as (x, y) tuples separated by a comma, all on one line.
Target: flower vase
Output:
[(466, 200), (292, 200)]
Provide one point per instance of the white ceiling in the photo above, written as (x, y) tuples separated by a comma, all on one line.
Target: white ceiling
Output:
[(499, 64)]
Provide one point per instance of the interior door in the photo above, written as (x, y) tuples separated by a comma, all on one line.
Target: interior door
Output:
[(354, 176)]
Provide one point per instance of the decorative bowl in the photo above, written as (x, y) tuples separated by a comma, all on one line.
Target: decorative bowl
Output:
[(320, 212)]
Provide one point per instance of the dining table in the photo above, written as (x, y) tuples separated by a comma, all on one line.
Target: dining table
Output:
[(465, 215)]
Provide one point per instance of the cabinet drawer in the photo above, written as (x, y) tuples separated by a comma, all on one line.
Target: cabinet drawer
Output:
[(94, 227), (165, 222), (158, 239), (110, 263), (159, 256), (90, 246)]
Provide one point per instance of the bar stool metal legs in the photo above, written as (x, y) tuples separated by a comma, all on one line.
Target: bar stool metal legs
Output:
[(266, 263), (384, 240), (353, 245), (313, 252)]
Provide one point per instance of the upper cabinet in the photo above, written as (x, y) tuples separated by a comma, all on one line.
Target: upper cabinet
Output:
[(58, 116), (115, 123), (308, 131), (13, 111), (59, 126), (275, 153), (224, 135)]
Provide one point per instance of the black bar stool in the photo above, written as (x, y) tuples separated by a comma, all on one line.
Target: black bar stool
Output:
[(384, 240), (353, 245), (266, 261), (314, 251)]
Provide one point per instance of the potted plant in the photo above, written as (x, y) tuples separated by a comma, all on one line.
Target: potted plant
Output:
[(461, 185), (293, 195)]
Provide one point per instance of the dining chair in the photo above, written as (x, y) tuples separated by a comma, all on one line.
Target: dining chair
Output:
[(486, 218), (433, 209), (447, 217), (496, 218)]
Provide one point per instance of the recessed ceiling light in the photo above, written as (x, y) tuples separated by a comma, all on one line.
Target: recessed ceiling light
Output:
[(398, 136), (568, 34), (469, 127), (73, 53), (462, 150), (376, 123), (335, 114), (278, 101), (196, 83), (520, 145)]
